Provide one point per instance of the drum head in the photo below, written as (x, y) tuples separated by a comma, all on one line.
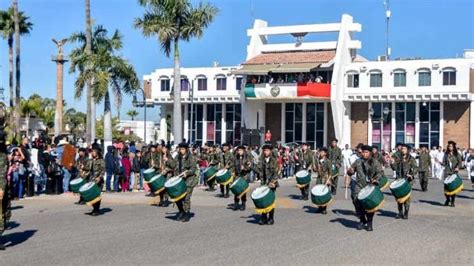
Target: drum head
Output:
[(173, 181), (302, 173), (450, 179), (320, 190), (155, 178), (260, 192), (149, 170), (76, 181), (221, 172), (86, 187), (397, 183), (365, 192)]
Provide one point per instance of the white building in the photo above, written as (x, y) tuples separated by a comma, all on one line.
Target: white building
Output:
[(316, 91), (137, 127)]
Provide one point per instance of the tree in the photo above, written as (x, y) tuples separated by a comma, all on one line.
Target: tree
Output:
[(7, 30), (105, 69), (30, 106), (132, 114), (17, 62), (172, 21), (117, 134), (90, 108), (76, 121)]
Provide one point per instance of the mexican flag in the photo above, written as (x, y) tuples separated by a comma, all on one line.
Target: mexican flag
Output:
[(287, 91)]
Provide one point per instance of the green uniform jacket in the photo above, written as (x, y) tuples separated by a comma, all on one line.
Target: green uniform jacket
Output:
[(187, 164), (213, 158), (306, 159), (424, 162), (335, 155), (81, 164), (96, 168), (379, 157), (227, 161), (450, 163), (404, 167), (169, 166), (153, 160), (5, 212), (268, 170), (324, 170), (242, 166), (367, 171)]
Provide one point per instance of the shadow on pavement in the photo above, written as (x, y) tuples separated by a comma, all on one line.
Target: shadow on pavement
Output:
[(385, 213), (297, 197), (416, 189), (253, 219), (14, 239), (434, 203), (12, 225), (343, 212), (173, 217), (346, 222), (310, 209), (16, 207), (463, 197)]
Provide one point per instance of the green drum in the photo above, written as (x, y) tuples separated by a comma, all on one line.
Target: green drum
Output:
[(223, 177), (76, 184), (321, 195), (210, 173), (239, 187), (175, 187), (157, 184), (371, 198), (453, 185), (303, 178), (264, 199), (149, 174), (334, 171), (401, 190), (383, 183), (90, 192)]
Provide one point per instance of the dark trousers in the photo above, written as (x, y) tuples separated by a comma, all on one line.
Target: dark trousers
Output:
[(404, 207), (226, 189), (243, 198), (96, 207), (450, 199), (334, 185), (362, 214), (210, 184), (305, 191), (270, 215), (423, 180)]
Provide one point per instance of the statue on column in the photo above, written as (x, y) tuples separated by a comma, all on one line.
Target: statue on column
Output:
[(60, 45)]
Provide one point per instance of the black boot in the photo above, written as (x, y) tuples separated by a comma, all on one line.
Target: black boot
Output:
[(161, 203), (226, 192), (323, 210), (270, 219), (405, 215), (400, 211), (263, 219), (2, 247), (446, 203), (360, 225), (452, 201), (186, 217), (236, 205), (369, 227), (242, 207), (179, 216)]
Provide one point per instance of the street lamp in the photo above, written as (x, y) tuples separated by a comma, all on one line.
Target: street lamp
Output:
[(137, 103)]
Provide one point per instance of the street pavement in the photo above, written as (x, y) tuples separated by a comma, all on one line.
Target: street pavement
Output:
[(52, 230)]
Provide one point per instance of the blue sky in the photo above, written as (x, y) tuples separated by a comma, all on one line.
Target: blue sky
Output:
[(422, 28)]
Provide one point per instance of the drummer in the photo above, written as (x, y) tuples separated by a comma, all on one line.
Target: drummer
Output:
[(96, 168), (452, 162), (81, 164), (267, 169), (242, 166), (227, 162), (335, 155), (405, 167), (213, 160), (363, 171), (186, 166), (323, 169), (305, 158), (168, 164)]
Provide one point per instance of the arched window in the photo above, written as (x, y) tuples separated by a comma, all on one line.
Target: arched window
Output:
[(201, 82), (424, 77), (375, 78), (221, 82), (352, 79), (399, 77), (165, 84), (449, 76)]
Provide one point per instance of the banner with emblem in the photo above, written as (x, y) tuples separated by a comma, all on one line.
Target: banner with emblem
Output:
[(287, 91)]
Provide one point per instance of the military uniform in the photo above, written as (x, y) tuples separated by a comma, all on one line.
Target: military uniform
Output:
[(364, 172), (335, 156), (168, 164), (227, 161), (96, 168), (82, 169), (186, 164), (379, 157), (5, 212), (267, 169), (212, 158), (306, 162), (324, 170), (406, 168), (242, 167), (452, 163), (424, 168)]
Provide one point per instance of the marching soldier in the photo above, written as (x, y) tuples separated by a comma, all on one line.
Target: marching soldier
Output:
[(405, 168), (267, 169), (96, 168), (212, 157), (335, 156), (424, 168), (168, 164), (81, 165), (186, 166), (305, 158), (363, 171), (242, 166), (5, 212), (323, 168), (227, 162), (452, 162), (377, 155)]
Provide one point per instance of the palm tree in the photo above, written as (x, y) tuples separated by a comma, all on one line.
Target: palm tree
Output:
[(17, 62), (132, 114), (172, 21), (28, 107), (75, 120), (7, 30), (90, 109), (105, 69)]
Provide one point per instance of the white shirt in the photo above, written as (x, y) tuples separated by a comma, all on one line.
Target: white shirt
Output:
[(346, 154)]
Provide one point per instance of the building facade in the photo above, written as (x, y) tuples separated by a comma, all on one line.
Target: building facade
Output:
[(314, 91)]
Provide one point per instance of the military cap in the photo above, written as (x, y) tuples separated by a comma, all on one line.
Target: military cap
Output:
[(241, 147), (267, 147), (183, 145), (323, 149), (366, 148)]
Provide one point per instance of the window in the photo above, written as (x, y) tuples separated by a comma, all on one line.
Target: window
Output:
[(376, 79), (238, 83), (294, 122), (382, 125), (315, 124), (449, 77), (195, 129), (405, 123), (221, 83), (424, 78), (214, 123), (165, 85), (399, 78), (202, 84), (353, 80), (429, 124), (233, 123), (184, 84)]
